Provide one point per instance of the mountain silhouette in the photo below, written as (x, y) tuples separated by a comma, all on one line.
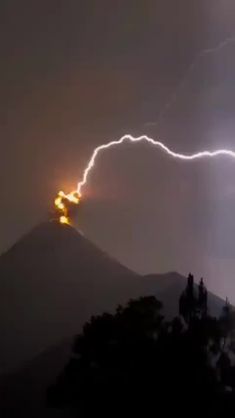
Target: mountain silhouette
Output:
[(51, 282), (54, 279)]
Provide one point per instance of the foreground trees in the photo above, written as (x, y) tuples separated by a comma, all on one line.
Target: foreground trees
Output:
[(135, 362)]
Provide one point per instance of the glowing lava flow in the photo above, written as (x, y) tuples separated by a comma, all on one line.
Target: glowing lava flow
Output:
[(63, 200)]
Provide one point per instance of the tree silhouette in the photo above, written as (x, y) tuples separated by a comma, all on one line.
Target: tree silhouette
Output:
[(134, 362), (187, 301), (190, 305), (202, 299)]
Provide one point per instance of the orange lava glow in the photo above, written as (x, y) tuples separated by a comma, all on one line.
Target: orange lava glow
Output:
[(62, 203), (64, 220)]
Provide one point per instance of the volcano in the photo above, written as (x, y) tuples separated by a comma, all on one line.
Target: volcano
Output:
[(54, 279), (51, 282)]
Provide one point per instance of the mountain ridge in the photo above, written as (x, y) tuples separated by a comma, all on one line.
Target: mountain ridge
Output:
[(53, 280)]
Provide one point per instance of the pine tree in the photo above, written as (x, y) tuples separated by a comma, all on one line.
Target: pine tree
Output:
[(202, 300), (187, 301)]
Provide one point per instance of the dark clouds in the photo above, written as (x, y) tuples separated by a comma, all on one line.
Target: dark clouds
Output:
[(75, 74)]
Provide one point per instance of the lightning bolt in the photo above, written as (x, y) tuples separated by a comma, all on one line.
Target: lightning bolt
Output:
[(159, 144), (176, 92), (63, 200)]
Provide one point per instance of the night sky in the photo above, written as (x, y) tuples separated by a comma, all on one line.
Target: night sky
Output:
[(75, 74)]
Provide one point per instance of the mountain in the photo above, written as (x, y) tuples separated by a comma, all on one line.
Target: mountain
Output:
[(23, 393), (54, 279), (51, 282)]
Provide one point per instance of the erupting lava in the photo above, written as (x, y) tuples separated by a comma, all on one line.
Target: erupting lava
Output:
[(62, 204)]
